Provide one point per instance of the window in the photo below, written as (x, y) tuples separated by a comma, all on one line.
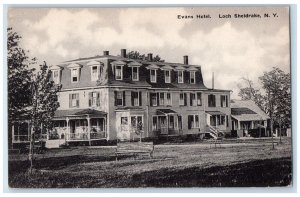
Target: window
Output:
[(55, 76), (162, 98), (75, 75), (153, 76), (136, 98), (199, 98), (74, 100), (169, 100), (119, 98), (137, 123), (94, 99), (180, 76), (95, 73), (182, 99), (153, 99), (211, 100), (167, 76), (192, 77), (135, 73), (193, 121), (124, 123), (222, 120), (179, 122), (154, 123), (193, 99), (119, 72), (224, 101)]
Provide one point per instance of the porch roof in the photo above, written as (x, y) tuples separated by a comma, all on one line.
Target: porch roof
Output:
[(78, 112), (248, 117), (214, 113), (165, 111)]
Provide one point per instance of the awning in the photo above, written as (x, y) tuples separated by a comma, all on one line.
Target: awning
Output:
[(60, 114), (165, 112), (215, 113)]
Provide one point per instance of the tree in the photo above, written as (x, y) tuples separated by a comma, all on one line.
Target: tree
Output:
[(31, 95), (138, 56), (277, 85), (250, 93), (44, 104), (19, 82)]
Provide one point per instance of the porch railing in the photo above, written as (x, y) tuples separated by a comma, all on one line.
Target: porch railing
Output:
[(26, 138), (85, 136), (166, 131), (98, 135)]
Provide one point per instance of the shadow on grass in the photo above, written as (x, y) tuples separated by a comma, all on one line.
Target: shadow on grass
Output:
[(54, 163), (260, 173)]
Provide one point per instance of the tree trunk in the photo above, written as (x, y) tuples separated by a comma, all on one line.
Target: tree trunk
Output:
[(31, 150)]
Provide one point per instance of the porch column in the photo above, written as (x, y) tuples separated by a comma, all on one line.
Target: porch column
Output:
[(89, 129), (68, 129), (105, 132), (167, 119), (13, 132)]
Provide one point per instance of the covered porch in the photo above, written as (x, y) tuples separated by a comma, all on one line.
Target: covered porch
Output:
[(166, 122), (21, 129), (79, 125)]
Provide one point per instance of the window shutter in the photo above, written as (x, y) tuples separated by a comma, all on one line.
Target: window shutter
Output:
[(189, 122), (90, 98), (132, 98), (70, 100), (115, 98), (140, 98), (185, 99), (98, 99), (191, 99), (157, 98), (124, 101), (151, 96), (226, 100)]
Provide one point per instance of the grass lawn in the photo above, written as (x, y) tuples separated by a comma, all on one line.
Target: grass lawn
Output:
[(174, 165)]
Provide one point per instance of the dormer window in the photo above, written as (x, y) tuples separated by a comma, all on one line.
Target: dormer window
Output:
[(134, 70), (95, 73), (75, 72), (75, 75), (96, 69), (135, 73), (153, 76), (180, 76), (56, 74), (167, 76), (56, 77), (119, 72), (118, 69), (192, 77)]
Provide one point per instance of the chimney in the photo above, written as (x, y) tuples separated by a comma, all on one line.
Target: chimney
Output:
[(105, 52), (150, 58), (123, 52), (186, 59), (213, 81)]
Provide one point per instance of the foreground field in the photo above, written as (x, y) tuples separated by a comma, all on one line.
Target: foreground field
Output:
[(182, 165)]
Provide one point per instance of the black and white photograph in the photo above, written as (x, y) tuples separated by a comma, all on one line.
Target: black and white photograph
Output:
[(149, 97)]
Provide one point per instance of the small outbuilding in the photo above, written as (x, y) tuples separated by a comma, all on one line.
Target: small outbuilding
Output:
[(248, 120)]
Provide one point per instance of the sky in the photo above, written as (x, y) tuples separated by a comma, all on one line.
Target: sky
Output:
[(232, 48)]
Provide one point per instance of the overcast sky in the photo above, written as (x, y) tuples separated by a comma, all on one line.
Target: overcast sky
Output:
[(231, 48)]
